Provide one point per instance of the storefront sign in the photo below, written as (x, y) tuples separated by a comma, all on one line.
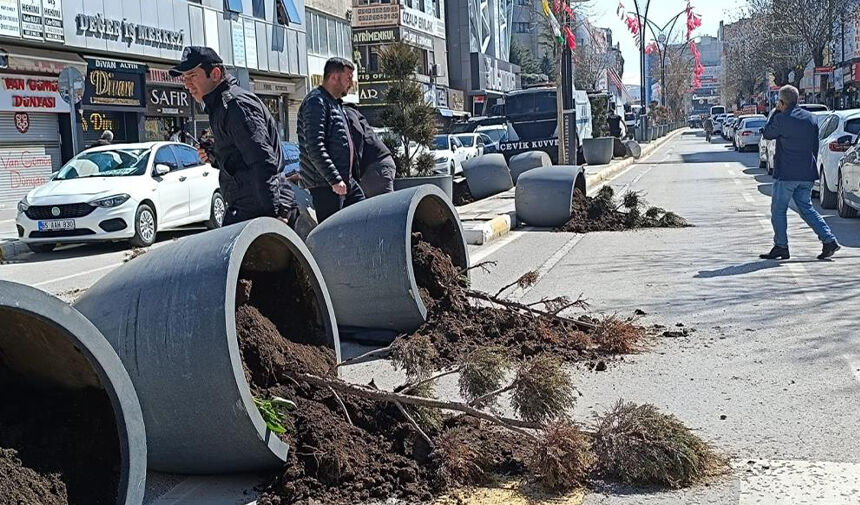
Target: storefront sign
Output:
[(130, 33), (372, 94), (52, 15), (160, 76), (22, 170), (492, 74), (250, 43), (272, 88), (10, 18), (416, 39), (237, 32), (376, 15), (22, 122), (20, 93), (375, 36), (115, 83), (422, 22), (32, 26), (167, 101), (370, 77)]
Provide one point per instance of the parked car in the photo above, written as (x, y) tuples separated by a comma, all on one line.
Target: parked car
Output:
[(748, 132), (449, 154), (767, 148), (836, 135), (848, 183), (495, 135), (718, 123), (727, 126), (121, 192), (473, 144)]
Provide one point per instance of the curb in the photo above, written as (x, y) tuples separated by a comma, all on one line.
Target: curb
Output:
[(9, 250), (501, 225)]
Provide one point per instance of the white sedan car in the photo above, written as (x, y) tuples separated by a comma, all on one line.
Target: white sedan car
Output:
[(748, 131), (449, 154), (473, 143), (121, 192), (836, 135)]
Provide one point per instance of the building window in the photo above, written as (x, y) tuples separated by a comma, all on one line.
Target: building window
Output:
[(328, 36), (287, 12), (258, 9), (234, 6), (521, 27), (373, 63)]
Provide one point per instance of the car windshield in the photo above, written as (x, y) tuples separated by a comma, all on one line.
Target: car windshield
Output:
[(440, 143), (754, 123), (497, 135), (105, 163), (467, 140), (852, 126)]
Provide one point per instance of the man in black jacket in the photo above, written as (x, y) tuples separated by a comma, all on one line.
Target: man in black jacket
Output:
[(376, 167), (326, 151), (247, 146)]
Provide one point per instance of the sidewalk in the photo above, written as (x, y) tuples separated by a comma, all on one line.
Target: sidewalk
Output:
[(493, 217)]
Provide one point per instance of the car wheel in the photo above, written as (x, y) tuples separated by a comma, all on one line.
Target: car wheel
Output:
[(217, 211), (144, 226), (842, 207), (826, 197), (41, 248)]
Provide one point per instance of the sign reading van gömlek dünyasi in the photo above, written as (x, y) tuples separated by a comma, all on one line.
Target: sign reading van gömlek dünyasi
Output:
[(116, 83)]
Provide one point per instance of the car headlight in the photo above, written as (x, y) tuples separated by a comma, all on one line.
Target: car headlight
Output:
[(23, 205), (111, 201), (441, 161)]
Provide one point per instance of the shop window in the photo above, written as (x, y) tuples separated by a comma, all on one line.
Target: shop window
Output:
[(258, 9), (287, 12), (234, 6)]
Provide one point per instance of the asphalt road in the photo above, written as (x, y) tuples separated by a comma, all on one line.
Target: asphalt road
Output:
[(771, 374)]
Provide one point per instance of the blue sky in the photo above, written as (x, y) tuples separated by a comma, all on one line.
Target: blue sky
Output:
[(661, 11)]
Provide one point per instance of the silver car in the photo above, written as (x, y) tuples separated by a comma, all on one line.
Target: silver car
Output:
[(748, 132)]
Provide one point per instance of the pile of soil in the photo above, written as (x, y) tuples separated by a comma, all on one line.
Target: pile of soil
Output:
[(331, 461), (58, 447), (602, 213), (462, 194)]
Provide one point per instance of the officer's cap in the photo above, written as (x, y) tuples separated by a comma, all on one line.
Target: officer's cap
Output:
[(193, 57)]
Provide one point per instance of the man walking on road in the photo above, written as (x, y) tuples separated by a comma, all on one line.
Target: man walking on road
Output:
[(247, 146), (796, 134), (326, 151)]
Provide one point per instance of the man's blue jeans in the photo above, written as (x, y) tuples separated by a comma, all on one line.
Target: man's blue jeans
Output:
[(801, 193)]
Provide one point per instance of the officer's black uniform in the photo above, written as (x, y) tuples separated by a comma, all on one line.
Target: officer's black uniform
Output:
[(247, 148)]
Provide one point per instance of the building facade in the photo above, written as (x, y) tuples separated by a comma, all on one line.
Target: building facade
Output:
[(846, 72), (418, 23), (479, 35), (123, 49), (329, 34)]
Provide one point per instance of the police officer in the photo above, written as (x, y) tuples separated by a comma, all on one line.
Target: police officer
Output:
[(247, 146)]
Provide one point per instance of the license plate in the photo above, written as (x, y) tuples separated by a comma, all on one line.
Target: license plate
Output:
[(58, 225)]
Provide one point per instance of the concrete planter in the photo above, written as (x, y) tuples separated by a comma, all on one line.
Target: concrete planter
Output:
[(445, 182), (487, 175), (50, 346), (597, 151), (544, 195), (633, 148), (170, 315), (524, 162), (365, 255)]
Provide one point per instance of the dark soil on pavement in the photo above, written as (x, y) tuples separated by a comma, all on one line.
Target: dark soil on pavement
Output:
[(462, 194), (603, 213), (57, 448)]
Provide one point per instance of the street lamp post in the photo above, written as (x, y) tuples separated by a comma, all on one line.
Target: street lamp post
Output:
[(662, 35)]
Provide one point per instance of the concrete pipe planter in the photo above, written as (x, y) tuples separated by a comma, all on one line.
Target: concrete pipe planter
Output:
[(544, 195), (50, 347), (633, 148), (487, 175), (598, 151), (170, 315), (524, 162), (365, 254), (445, 182)]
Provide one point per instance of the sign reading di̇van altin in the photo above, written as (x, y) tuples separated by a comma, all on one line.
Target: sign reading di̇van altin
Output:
[(131, 33)]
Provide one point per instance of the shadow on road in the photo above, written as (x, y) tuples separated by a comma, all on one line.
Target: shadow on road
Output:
[(744, 268)]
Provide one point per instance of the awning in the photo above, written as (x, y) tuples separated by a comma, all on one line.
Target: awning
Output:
[(30, 60), (445, 112)]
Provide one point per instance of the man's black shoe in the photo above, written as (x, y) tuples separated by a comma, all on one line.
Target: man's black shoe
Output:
[(777, 253), (828, 250)]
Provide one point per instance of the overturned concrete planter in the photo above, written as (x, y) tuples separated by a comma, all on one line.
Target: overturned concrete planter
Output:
[(487, 175), (48, 346), (523, 162), (633, 148), (170, 315), (365, 254), (544, 195), (445, 182)]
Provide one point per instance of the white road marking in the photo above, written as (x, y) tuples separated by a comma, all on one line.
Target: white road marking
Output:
[(7, 221), (801, 275), (79, 274), (780, 482), (548, 265), (765, 224), (490, 249), (748, 198)]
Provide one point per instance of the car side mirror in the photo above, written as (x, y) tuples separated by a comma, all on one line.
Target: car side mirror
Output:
[(161, 169)]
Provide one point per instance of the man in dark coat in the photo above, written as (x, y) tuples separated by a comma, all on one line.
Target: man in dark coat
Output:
[(326, 151), (247, 145), (795, 171), (376, 168)]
